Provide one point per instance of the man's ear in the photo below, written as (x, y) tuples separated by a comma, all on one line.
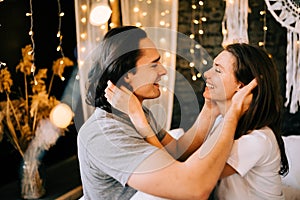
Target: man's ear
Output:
[(127, 77)]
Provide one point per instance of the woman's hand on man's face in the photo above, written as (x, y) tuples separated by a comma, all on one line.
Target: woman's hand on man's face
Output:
[(121, 98)]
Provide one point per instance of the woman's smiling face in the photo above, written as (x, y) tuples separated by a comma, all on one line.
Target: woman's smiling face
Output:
[(221, 83)]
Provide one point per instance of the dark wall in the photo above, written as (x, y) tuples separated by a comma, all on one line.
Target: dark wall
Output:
[(213, 10), (14, 31)]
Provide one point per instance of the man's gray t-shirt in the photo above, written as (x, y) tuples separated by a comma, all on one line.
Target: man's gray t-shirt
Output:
[(109, 151)]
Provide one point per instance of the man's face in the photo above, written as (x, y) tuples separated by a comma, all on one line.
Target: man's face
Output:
[(148, 72)]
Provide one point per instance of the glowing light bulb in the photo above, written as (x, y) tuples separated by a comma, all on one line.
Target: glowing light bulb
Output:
[(100, 14), (61, 115)]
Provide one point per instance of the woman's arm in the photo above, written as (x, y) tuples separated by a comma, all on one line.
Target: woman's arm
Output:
[(196, 177), (125, 101)]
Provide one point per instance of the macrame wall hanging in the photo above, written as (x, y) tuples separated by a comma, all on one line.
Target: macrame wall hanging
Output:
[(287, 13), (235, 22)]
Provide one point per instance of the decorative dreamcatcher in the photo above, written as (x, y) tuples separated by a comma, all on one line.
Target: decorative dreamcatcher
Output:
[(287, 13), (235, 22)]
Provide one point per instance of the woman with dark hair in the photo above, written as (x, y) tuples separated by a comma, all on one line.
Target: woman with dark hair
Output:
[(115, 158), (258, 155)]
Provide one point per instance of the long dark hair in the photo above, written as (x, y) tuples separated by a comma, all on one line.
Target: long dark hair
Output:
[(112, 59), (267, 104)]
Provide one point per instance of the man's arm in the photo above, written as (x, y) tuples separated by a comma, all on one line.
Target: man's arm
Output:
[(196, 177)]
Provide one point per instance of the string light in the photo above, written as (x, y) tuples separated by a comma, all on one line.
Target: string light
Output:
[(265, 29), (2, 63), (197, 20), (31, 34), (59, 35)]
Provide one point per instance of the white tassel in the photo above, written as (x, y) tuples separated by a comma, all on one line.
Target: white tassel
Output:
[(235, 22), (293, 71)]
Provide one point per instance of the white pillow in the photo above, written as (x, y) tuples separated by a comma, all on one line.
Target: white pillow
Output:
[(292, 148)]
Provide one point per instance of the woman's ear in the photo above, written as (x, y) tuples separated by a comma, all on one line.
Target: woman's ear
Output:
[(240, 85)]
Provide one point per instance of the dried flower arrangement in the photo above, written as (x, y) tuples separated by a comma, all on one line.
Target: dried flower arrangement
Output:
[(20, 117)]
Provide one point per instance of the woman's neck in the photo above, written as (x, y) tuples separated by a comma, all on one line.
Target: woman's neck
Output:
[(223, 106)]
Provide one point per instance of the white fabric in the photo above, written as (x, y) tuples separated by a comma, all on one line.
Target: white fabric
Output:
[(88, 36), (159, 19), (293, 71), (291, 182), (292, 149), (144, 196), (235, 22), (256, 158)]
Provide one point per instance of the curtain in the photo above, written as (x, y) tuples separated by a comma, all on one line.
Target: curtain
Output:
[(88, 36), (159, 19)]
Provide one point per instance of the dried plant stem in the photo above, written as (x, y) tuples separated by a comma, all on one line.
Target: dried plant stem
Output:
[(10, 126), (34, 119), (50, 85), (26, 97)]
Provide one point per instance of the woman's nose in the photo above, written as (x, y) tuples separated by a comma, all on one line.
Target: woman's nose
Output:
[(206, 73)]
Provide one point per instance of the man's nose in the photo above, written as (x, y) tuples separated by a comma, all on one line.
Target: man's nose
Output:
[(162, 70)]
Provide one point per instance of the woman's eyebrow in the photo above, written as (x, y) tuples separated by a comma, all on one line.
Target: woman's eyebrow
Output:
[(218, 65)]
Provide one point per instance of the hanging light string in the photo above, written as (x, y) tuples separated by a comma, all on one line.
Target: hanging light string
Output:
[(263, 13), (202, 19), (196, 29), (2, 63), (59, 35), (192, 36), (32, 53), (265, 29)]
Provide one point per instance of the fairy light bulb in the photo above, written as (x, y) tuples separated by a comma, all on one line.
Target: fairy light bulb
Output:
[(194, 77), (83, 20), (2, 64), (100, 14), (61, 115), (32, 68), (84, 7)]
